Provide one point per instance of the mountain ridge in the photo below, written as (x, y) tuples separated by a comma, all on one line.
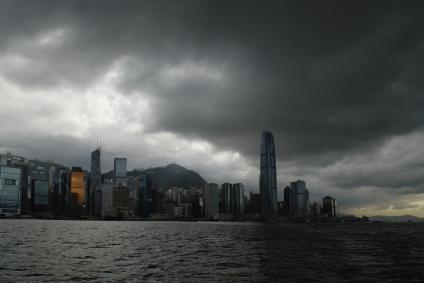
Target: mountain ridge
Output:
[(397, 218), (171, 175)]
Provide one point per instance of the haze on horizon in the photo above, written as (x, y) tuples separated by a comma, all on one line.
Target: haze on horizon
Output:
[(339, 83)]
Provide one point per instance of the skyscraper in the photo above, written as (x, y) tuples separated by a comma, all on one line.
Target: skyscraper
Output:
[(211, 195), (238, 200), (226, 198), (329, 206), (287, 200), (120, 171), (145, 195), (39, 196), (95, 177), (299, 198), (268, 177), (77, 197)]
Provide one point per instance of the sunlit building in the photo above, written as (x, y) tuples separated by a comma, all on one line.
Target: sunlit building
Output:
[(77, 195), (268, 176), (10, 190)]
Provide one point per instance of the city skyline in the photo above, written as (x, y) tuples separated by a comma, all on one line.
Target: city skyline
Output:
[(339, 85)]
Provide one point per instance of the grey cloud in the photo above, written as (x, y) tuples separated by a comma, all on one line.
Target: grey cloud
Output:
[(330, 79)]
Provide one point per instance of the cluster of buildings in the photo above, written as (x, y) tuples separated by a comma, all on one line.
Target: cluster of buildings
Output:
[(296, 196), (56, 191), (296, 203)]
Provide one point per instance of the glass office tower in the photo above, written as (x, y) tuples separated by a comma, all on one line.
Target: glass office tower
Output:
[(268, 177), (226, 198), (95, 171), (299, 198), (95, 178), (10, 190), (39, 195), (120, 171), (238, 203)]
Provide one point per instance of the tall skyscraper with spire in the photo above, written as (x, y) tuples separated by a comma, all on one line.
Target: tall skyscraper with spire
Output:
[(268, 177), (95, 177), (95, 170)]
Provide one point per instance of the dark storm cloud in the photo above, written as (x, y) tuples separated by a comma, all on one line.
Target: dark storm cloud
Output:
[(322, 77), (330, 78)]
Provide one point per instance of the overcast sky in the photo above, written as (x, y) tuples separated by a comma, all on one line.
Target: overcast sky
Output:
[(339, 83)]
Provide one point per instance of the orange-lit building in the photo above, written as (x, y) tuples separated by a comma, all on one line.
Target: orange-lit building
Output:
[(78, 185)]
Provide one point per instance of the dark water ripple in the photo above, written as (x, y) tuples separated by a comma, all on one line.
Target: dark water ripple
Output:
[(95, 251)]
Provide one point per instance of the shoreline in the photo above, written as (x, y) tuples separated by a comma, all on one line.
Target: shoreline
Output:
[(274, 221)]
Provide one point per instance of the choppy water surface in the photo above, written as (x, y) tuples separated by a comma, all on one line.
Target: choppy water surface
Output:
[(93, 251)]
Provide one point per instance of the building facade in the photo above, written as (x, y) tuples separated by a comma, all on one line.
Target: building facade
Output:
[(238, 201), (299, 198), (225, 198), (145, 195), (268, 177), (120, 171), (77, 192), (95, 172), (10, 190), (211, 201), (329, 206)]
